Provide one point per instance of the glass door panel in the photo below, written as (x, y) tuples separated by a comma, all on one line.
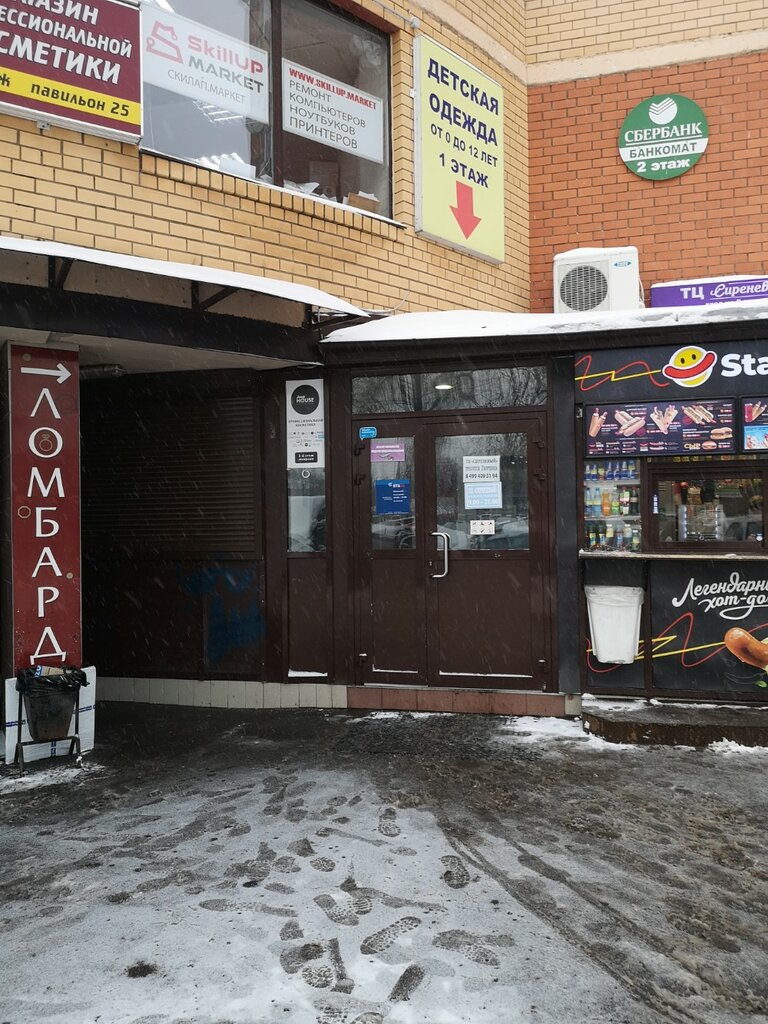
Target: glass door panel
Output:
[(481, 492), (393, 493)]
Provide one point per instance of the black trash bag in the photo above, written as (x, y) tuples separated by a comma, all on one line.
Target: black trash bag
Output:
[(50, 701)]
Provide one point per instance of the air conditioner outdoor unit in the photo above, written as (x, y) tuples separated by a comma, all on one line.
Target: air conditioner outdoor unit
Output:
[(597, 280)]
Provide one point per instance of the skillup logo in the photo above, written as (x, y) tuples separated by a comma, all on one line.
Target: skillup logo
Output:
[(690, 366)]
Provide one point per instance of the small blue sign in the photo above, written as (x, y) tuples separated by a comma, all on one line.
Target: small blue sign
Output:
[(393, 497), (367, 432)]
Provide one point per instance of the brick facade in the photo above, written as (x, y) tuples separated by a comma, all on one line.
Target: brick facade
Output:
[(584, 28), (78, 189), (710, 221), (565, 183)]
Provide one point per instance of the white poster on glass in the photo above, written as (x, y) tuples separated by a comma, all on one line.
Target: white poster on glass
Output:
[(197, 61), (338, 115)]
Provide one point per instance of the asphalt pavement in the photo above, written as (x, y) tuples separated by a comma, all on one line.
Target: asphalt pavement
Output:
[(318, 868)]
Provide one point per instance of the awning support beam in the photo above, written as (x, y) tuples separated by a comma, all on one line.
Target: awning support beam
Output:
[(200, 305), (58, 272)]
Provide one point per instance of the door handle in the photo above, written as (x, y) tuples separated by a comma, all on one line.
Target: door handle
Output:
[(446, 546)]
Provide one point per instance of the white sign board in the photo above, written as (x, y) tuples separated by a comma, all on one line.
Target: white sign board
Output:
[(334, 113), (39, 751), (196, 61), (482, 527), (304, 424), (479, 468)]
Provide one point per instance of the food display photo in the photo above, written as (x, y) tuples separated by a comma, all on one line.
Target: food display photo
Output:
[(661, 428), (754, 414)]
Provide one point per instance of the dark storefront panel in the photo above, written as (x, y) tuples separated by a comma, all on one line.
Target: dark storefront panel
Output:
[(309, 639), (679, 428), (171, 527), (694, 605)]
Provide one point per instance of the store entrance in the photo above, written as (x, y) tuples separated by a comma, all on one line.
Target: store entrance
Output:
[(451, 522)]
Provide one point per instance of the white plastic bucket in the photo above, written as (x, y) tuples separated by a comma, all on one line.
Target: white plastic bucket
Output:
[(614, 622)]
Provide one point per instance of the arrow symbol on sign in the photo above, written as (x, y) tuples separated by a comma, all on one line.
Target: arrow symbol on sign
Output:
[(464, 210), (61, 373)]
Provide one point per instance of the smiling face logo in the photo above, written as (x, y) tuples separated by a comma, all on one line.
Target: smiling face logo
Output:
[(690, 366)]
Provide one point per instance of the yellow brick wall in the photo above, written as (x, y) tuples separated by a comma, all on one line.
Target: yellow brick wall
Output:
[(583, 28), (79, 189)]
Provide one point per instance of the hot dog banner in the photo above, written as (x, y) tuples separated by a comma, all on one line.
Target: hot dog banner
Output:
[(710, 626), (663, 428), (709, 631)]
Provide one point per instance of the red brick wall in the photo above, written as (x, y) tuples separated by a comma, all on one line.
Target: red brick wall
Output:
[(712, 220)]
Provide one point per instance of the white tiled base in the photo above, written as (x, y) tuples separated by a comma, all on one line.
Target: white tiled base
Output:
[(222, 693)]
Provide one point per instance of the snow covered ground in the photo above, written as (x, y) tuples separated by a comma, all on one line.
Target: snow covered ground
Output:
[(397, 868)]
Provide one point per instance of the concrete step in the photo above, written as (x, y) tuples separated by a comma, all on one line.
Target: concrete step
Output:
[(672, 724)]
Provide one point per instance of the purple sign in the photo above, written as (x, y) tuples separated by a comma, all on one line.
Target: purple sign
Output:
[(709, 291), (387, 451)]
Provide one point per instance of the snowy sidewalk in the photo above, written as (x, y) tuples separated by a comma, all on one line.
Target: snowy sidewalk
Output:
[(397, 868)]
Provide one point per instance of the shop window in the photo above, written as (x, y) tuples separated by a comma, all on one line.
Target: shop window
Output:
[(708, 508), (502, 387), (306, 510), (280, 91)]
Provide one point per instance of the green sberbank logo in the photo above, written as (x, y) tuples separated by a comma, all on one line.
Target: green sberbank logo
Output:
[(663, 137)]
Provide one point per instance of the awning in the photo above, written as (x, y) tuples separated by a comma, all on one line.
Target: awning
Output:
[(225, 280), (455, 325)]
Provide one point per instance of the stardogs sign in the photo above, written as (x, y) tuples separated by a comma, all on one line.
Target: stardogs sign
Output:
[(658, 374)]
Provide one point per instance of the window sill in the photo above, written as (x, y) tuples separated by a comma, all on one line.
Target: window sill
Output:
[(205, 179)]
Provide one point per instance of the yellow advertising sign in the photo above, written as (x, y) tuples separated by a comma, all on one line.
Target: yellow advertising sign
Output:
[(79, 100), (459, 152)]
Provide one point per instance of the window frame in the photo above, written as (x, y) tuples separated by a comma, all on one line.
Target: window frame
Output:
[(353, 14), (707, 471)]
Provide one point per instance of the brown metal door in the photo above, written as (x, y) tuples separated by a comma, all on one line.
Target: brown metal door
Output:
[(451, 536)]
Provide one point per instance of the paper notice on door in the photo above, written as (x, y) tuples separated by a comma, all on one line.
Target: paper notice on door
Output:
[(486, 495), (482, 527), (481, 468)]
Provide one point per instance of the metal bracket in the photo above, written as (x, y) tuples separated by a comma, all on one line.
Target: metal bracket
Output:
[(58, 272), (201, 305)]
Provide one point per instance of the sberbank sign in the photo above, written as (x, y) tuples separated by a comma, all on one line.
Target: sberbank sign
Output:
[(663, 137)]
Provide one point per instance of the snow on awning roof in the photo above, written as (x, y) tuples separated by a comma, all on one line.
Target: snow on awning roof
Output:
[(475, 324), (301, 293)]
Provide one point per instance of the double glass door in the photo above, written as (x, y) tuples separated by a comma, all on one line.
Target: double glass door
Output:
[(451, 520)]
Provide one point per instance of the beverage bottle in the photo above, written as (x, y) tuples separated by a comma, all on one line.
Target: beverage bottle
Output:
[(605, 504), (619, 538), (592, 536), (631, 468), (634, 502), (595, 502), (609, 471), (615, 504), (624, 470), (635, 539), (624, 501), (601, 471), (601, 535), (609, 535)]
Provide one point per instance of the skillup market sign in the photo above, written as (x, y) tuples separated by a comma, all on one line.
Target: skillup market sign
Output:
[(663, 137)]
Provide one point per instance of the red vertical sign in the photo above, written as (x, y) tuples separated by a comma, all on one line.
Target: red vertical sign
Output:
[(45, 506)]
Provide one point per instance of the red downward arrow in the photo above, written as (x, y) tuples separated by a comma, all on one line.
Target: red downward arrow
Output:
[(464, 211)]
